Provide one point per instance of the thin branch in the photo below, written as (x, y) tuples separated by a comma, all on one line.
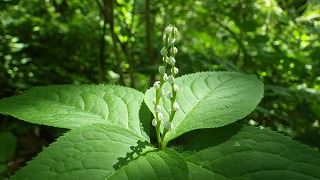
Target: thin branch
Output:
[(109, 7), (149, 40), (101, 59), (126, 47), (100, 6)]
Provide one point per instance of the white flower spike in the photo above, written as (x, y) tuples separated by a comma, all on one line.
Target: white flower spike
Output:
[(168, 53)]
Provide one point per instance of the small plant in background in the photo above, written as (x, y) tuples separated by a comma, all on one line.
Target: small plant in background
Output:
[(108, 137)]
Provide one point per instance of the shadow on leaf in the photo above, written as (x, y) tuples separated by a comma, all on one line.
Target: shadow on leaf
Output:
[(135, 152)]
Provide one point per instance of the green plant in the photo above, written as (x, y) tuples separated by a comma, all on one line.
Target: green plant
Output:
[(109, 132)]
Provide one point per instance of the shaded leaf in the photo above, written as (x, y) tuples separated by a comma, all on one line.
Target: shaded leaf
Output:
[(197, 172), (251, 153), (145, 116)]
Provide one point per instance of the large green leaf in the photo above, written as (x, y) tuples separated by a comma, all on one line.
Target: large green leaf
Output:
[(197, 172), (104, 151), (252, 153), (70, 106), (164, 164), (86, 152), (209, 99)]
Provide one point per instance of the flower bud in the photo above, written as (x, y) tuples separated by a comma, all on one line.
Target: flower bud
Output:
[(154, 100), (167, 125), (176, 106), (171, 79), (175, 70), (154, 122), (175, 30), (165, 77), (172, 41), (174, 50), (160, 116), (169, 95), (162, 70), (164, 38), (171, 60), (157, 108), (176, 88), (168, 30), (163, 51), (156, 85), (161, 93)]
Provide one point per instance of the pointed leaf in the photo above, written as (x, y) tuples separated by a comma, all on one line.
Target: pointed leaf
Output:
[(164, 164), (70, 106), (209, 99), (251, 153), (86, 152)]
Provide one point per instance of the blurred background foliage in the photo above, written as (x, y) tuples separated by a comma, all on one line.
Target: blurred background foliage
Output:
[(46, 42)]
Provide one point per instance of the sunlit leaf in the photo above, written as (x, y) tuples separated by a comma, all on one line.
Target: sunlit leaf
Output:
[(70, 106), (210, 99), (92, 151)]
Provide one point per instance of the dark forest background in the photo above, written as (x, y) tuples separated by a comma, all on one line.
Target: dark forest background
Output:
[(46, 42)]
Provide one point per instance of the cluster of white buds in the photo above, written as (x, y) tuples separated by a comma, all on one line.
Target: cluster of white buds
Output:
[(168, 52)]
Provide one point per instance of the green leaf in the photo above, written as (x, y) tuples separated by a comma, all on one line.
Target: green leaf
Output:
[(86, 152), (70, 106), (252, 153), (145, 116), (8, 144), (209, 99), (197, 172), (164, 164)]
